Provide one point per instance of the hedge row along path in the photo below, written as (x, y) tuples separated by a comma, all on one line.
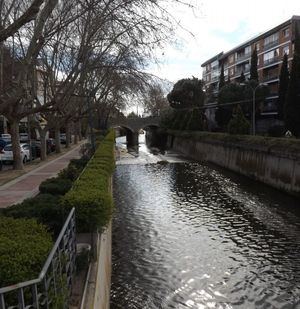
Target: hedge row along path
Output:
[(27, 185)]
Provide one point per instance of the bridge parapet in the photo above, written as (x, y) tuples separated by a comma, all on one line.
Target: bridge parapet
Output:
[(134, 124)]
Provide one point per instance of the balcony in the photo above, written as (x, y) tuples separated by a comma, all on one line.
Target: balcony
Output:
[(270, 77), (271, 44), (243, 57), (215, 78), (271, 61), (240, 70)]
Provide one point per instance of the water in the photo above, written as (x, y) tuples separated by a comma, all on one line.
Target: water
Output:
[(188, 235)]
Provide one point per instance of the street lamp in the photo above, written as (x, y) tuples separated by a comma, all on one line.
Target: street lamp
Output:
[(253, 102)]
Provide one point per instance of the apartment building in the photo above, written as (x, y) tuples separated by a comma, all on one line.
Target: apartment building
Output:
[(271, 47)]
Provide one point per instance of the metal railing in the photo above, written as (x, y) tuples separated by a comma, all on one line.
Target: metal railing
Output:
[(239, 71), (271, 61), (52, 288), (267, 78), (271, 44), (243, 57)]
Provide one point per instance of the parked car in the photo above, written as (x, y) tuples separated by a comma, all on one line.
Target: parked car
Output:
[(35, 149), (3, 143), (7, 154), (6, 137), (50, 145), (63, 138), (24, 137)]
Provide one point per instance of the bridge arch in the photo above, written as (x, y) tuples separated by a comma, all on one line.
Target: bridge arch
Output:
[(133, 126)]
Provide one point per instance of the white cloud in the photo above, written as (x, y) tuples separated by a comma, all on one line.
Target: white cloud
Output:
[(217, 26)]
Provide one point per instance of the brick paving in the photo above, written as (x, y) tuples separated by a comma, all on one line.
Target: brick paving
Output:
[(27, 185)]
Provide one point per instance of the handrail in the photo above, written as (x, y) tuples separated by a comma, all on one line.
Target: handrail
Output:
[(59, 238), (19, 287)]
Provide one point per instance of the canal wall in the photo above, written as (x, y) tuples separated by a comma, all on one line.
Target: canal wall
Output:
[(97, 294), (275, 162)]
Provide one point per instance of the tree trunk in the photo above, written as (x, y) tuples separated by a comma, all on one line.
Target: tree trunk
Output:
[(43, 144), (68, 135), (15, 138), (79, 130), (57, 140), (76, 135)]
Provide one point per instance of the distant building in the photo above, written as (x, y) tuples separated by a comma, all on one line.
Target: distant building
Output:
[(271, 47)]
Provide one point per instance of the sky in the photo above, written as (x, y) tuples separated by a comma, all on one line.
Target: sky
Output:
[(214, 26)]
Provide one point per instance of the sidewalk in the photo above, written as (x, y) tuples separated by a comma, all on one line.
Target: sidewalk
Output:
[(27, 185)]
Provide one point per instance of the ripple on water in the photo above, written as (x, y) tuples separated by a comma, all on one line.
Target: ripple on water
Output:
[(188, 236)]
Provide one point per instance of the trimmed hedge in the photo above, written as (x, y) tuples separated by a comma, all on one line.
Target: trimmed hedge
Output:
[(24, 247), (91, 194), (56, 186), (24, 241), (290, 145), (46, 208), (74, 169)]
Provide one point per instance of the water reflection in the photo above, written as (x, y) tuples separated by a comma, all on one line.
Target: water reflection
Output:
[(189, 236)]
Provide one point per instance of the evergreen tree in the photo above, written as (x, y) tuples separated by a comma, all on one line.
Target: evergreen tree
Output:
[(283, 85), (228, 79), (242, 78), (253, 66), (292, 103), (222, 78), (230, 93), (238, 123), (195, 122)]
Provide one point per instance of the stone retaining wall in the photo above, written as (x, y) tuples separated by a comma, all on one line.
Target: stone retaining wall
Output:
[(279, 168)]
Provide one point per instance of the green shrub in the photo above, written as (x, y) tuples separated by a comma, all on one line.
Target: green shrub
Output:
[(276, 131), (238, 124), (70, 172), (56, 186), (24, 247), (46, 208), (195, 122), (79, 163), (91, 194)]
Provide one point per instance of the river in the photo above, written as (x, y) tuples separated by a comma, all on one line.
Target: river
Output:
[(191, 235)]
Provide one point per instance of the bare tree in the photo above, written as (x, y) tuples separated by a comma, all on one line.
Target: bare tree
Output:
[(110, 41), (23, 11), (154, 100)]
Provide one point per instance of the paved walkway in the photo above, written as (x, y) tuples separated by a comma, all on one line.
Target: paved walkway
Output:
[(27, 185)]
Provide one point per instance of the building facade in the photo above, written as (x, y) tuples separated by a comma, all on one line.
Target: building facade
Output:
[(271, 47)]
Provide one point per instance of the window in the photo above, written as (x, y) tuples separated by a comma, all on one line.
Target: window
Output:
[(215, 65), (286, 50), (257, 46), (271, 39), (247, 50), (286, 32), (271, 55), (231, 71), (225, 72), (231, 58)]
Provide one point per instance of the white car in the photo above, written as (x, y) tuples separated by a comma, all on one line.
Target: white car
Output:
[(7, 154), (6, 137), (24, 137)]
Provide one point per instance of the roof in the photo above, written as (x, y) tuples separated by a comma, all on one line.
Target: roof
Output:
[(253, 39), (217, 57)]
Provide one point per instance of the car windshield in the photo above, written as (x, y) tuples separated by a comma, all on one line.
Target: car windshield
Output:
[(8, 148)]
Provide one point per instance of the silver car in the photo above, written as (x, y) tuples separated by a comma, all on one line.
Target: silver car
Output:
[(7, 154)]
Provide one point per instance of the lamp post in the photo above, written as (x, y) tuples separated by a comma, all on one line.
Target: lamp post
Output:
[(254, 103)]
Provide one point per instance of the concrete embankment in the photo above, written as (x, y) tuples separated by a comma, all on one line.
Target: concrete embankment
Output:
[(273, 161), (97, 290)]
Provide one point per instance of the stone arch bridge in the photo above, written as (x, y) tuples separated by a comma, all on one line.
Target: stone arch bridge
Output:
[(133, 125)]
